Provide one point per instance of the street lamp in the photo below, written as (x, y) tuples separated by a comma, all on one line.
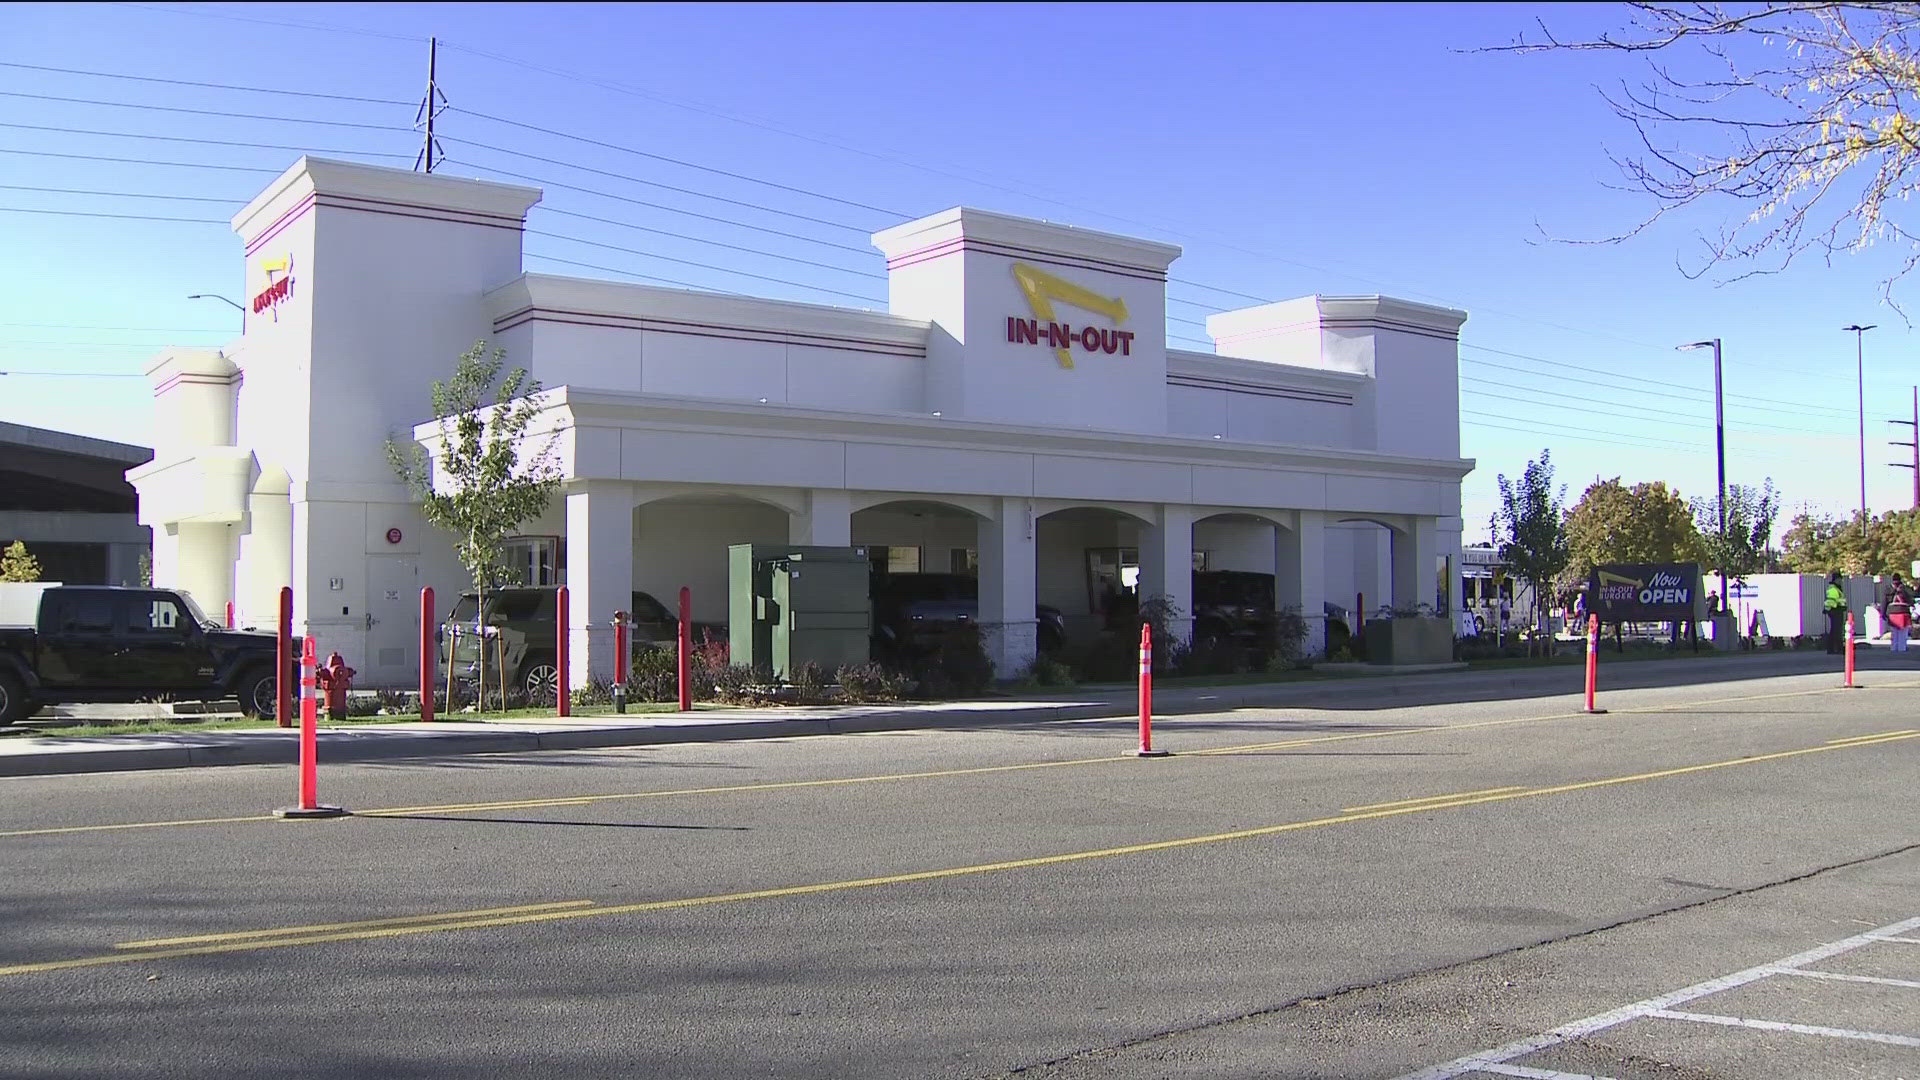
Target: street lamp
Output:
[(1860, 373), (222, 299), (1720, 454)]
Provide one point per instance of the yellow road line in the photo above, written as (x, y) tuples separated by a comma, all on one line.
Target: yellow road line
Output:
[(453, 922), (156, 943), (1249, 748), (1865, 738), (1427, 799)]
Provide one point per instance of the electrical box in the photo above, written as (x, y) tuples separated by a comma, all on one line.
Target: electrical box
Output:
[(789, 605)]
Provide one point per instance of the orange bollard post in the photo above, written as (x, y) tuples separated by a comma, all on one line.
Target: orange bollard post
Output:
[(310, 806), (1849, 683), (685, 668), (1146, 695), (1593, 660), (563, 655)]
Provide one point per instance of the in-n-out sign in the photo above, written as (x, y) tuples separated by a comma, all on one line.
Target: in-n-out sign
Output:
[(1042, 289), (278, 289)]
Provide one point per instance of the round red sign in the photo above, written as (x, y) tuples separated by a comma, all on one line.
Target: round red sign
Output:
[(393, 536)]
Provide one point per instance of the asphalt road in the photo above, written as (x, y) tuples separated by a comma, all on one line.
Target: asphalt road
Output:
[(1307, 892)]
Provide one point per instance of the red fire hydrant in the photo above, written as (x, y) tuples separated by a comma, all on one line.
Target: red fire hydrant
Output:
[(336, 678)]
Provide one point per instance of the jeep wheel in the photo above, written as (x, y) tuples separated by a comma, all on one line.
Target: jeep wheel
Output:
[(259, 693), (13, 701), (540, 680)]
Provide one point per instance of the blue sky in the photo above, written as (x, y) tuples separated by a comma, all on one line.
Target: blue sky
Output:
[(1290, 149)]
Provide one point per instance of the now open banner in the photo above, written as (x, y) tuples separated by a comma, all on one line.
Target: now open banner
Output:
[(1644, 592)]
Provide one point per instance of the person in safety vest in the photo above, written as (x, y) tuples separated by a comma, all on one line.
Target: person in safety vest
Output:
[(1836, 609)]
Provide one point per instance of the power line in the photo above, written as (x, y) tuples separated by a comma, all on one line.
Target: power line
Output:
[(143, 161), (202, 142), (681, 162), (120, 217), (710, 243), (121, 194), (862, 230), (701, 265), (864, 251), (624, 273), (204, 85), (129, 329), (75, 374), (222, 113), (274, 22), (1797, 408), (1634, 406)]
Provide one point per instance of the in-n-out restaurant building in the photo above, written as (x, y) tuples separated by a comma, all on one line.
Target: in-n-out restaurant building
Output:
[(1016, 413)]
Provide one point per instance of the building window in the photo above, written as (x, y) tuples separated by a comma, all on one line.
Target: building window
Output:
[(533, 561), (894, 560), (963, 561)]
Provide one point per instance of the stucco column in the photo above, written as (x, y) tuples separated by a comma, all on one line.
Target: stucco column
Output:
[(205, 567), (1415, 550), (266, 559), (828, 521), (599, 573), (1008, 587), (1300, 575), (1166, 566)]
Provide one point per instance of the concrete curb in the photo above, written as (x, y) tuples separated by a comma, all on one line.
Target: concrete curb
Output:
[(373, 743)]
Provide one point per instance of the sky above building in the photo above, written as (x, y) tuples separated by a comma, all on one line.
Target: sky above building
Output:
[(1291, 150)]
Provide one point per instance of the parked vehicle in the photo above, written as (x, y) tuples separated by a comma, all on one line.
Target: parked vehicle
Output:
[(107, 643), (1232, 606), (527, 622), (907, 608)]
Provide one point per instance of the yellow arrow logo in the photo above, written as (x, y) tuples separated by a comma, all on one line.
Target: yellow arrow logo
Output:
[(1042, 289)]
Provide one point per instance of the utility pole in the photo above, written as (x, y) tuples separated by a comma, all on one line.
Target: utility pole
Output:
[(430, 106), (1915, 444)]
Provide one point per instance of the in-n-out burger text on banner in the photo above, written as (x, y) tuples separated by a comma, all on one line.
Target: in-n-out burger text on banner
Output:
[(1041, 290), (1061, 335), (268, 299)]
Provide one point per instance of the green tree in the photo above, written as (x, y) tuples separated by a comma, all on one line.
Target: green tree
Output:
[(477, 487), (1744, 547), (17, 565), (1529, 529), (1648, 522)]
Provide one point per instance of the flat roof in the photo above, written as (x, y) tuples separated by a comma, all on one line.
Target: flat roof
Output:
[(64, 442)]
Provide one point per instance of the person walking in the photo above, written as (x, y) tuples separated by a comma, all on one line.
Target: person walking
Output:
[(1836, 609), (1899, 612)]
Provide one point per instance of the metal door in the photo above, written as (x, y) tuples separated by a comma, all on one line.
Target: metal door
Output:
[(393, 623)]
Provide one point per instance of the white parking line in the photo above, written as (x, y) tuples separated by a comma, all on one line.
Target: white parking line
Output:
[(1495, 1060), (1797, 1029), (1838, 977), (1539, 1074)]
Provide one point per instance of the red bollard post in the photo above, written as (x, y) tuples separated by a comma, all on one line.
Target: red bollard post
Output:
[(1593, 660), (429, 651), (1146, 695), (563, 655), (282, 683), (1359, 612), (229, 614), (310, 806), (620, 661), (686, 649), (1849, 684)]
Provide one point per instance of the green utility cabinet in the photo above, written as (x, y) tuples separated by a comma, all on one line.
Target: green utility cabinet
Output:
[(790, 605)]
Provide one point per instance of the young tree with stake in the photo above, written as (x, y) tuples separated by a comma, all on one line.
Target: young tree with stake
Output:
[(1529, 529), (482, 492)]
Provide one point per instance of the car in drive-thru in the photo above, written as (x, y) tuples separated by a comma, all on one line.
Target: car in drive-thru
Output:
[(909, 610), (526, 624), (101, 643), (1233, 606)]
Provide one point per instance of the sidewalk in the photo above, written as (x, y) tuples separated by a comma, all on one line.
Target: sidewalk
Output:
[(36, 755)]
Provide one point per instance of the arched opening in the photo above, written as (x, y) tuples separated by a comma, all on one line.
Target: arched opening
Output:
[(1088, 572), (682, 541), (924, 582)]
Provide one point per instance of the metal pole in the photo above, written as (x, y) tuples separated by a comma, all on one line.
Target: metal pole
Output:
[(1916, 448), (1720, 454), (433, 51), (1860, 373)]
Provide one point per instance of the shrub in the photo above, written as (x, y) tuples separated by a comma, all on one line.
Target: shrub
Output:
[(1046, 671), (871, 682), (1108, 658), (597, 692), (736, 684), (955, 663), (810, 681), (654, 675), (1286, 641), (1159, 612)]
